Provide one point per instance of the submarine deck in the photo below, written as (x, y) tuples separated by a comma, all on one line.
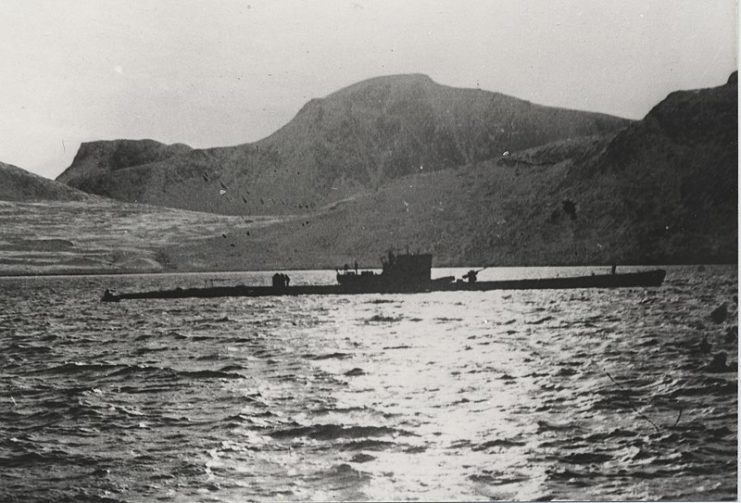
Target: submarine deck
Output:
[(624, 280)]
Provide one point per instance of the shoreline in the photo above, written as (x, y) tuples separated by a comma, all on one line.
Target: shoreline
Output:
[(103, 273)]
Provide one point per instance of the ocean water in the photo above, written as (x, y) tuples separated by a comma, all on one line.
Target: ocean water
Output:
[(517, 395)]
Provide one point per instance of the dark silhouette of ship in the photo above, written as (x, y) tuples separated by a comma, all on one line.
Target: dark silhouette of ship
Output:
[(402, 273), (398, 272)]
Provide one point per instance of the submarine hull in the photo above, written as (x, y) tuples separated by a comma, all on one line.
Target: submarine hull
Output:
[(637, 279)]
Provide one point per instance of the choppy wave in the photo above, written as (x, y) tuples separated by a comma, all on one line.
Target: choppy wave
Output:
[(485, 395)]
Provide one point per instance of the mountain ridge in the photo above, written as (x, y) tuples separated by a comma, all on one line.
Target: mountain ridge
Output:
[(662, 190), (359, 137), (112, 155), (17, 184), (647, 194)]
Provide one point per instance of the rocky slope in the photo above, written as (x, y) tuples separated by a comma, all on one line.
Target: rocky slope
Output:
[(17, 184), (361, 137), (99, 235), (104, 157), (664, 190)]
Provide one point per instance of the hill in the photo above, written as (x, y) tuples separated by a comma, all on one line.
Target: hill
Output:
[(361, 137), (104, 157), (99, 235), (663, 190), (17, 184)]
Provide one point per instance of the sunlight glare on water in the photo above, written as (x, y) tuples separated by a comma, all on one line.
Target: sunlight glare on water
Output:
[(582, 394)]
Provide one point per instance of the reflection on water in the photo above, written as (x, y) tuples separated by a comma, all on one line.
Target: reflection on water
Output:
[(582, 394)]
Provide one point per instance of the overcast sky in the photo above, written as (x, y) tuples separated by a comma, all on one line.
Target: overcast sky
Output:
[(211, 73)]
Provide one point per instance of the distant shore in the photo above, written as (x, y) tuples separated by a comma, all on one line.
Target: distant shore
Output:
[(103, 272)]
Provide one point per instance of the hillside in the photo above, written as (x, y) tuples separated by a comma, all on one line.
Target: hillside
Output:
[(17, 184), (99, 235), (664, 190), (361, 137), (103, 157)]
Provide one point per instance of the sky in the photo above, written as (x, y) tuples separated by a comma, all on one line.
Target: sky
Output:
[(223, 72)]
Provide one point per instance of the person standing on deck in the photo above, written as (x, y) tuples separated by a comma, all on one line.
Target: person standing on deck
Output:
[(471, 276)]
